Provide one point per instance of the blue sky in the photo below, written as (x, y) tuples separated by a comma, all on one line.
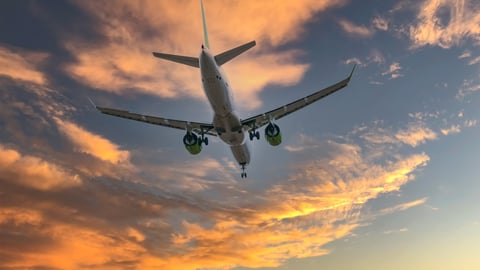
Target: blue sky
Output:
[(381, 175)]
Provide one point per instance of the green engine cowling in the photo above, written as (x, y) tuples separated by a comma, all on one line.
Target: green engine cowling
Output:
[(273, 134), (192, 143)]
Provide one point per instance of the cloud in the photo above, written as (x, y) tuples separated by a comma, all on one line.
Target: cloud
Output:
[(446, 23), (393, 71), (376, 57), (402, 207), (468, 87), (415, 134), (380, 23), (474, 61), (34, 172), (470, 123), (452, 130), (123, 63), (21, 64), (92, 144), (465, 54), (396, 231), (353, 60), (356, 30), (179, 218)]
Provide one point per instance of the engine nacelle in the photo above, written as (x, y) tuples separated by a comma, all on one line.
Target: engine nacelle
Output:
[(192, 143), (273, 134)]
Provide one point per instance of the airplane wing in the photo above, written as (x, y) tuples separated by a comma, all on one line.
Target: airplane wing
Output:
[(178, 124), (260, 120)]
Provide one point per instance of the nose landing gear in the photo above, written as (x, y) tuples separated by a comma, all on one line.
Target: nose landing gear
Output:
[(244, 174)]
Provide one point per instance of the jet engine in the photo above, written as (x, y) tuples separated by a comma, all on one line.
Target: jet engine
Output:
[(273, 134), (192, 143)]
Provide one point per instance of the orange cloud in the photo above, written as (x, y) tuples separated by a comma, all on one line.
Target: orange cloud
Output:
[(124, 63), (416, 134), (92, 144), (22, 65), (464, 23), (34, 172)]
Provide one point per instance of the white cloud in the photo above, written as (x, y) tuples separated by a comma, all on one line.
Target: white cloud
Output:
[(353, 60), (393, 71)]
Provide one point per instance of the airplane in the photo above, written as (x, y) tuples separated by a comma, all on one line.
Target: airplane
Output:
[(226, 124)]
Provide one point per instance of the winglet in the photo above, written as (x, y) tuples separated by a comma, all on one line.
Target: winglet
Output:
[(205, 33), (351, 73)]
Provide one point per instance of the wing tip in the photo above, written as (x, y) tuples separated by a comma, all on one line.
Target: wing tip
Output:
[(351, 72)]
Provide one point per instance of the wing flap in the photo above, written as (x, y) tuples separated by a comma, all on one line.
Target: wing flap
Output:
[(264, 118), (155, 120)]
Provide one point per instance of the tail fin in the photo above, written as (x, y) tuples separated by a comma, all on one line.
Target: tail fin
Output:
[(205, 33)]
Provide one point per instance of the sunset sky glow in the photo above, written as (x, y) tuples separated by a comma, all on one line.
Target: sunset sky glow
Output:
[(383, 174)]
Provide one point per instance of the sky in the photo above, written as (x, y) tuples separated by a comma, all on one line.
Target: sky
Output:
[(381, 175)]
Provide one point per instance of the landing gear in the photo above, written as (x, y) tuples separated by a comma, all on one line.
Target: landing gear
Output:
[(203, 139), (243, 174), (254, 134)]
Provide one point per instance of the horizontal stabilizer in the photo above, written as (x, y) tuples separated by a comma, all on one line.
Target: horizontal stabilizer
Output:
[(186, 60), (230, 54)]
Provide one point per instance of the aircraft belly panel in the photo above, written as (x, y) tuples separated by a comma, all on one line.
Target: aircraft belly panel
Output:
[(241, 153)]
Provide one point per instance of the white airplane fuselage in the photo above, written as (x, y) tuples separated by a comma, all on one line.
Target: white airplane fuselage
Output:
[(226, 123)]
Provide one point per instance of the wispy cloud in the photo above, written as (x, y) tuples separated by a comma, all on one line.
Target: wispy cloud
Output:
[(355, 30), (34, 172), (468, 87), (353, 60), (380, 23), (465, 54), (416, 134), (92, 144), (393, 71), (432, 28), (396, 231), (21, 64), (403, 206), (452, 130), (474, 61)]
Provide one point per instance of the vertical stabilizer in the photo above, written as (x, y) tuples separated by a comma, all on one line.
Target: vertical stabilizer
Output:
[(205, 33)]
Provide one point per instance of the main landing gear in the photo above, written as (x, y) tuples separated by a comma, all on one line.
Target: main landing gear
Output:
[(203, 139), (254, 134), (244, 174)]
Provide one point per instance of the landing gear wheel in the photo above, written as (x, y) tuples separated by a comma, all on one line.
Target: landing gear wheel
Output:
[(244, 174), (254, 134), (205, 140)]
